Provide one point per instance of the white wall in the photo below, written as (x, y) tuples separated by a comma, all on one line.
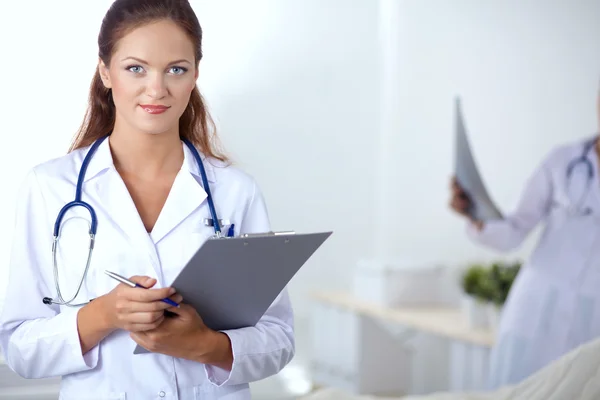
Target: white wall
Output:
[(387, 73), (296, 96), (343, 130), (527, 73)]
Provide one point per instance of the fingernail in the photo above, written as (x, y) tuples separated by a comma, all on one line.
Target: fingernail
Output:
[(172, 291)]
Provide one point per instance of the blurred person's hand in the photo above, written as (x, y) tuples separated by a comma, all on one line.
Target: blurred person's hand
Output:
[(460, 202)]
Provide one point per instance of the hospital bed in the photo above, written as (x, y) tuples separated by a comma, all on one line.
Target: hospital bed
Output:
[(575, 376)]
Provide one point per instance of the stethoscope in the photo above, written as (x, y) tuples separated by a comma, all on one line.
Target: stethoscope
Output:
[(214, 222), (583, 161)]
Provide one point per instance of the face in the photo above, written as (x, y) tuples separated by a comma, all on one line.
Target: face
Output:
[(152, 74)]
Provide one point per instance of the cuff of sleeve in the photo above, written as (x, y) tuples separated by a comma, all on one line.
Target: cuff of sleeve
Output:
[(487, 230), (219, 376), (80, 362), (493, 234), (473, 232)]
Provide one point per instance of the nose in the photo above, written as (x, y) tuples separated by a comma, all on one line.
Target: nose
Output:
[(157, 86)]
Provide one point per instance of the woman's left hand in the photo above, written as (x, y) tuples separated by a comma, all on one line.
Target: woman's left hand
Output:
[(184, 335)]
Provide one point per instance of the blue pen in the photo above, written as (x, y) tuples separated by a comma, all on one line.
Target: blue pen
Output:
[(231, 230), (133, 284)]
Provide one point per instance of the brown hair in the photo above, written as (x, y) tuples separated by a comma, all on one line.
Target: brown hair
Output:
[(196, 124)]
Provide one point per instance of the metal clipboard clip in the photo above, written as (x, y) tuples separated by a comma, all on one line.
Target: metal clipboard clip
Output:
[(266, 234), (280, 233)]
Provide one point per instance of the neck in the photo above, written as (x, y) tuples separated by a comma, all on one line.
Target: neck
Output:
[(146, 155)]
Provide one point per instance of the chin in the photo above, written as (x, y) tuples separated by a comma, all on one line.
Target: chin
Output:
[(157, 128)]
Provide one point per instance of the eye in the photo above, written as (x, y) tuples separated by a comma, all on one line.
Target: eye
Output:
[(178, 70), (136, 69)]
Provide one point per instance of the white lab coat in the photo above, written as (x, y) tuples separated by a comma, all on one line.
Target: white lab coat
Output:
[(40, 341), (554, 304)]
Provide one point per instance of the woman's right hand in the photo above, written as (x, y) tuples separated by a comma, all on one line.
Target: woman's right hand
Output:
[(137, 309), (460, 202)]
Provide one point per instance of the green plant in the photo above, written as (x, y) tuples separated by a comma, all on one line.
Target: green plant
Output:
[(487, 289), (490, 284), (503, 276), (471, 279)]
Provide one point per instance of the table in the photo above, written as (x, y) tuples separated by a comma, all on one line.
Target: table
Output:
[(371, 349), (439, 320)]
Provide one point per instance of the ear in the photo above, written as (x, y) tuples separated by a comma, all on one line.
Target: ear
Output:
[(104, 74), (195, 82)]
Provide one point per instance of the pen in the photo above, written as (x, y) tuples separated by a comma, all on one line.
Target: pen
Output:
[(133, 284), (231, 230)]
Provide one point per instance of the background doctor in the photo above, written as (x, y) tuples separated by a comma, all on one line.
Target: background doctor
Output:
[(554, 303), (145, 187)]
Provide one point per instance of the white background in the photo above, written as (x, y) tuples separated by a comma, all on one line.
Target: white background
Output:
[(341, 109)]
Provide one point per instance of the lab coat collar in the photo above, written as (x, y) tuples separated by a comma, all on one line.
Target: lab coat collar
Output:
[(186, 196), (190, 164), (102, 160), (592, 156)]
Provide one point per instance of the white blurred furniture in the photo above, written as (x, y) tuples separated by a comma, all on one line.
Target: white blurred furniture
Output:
[(367, 348), (574, 376), (13, 387)]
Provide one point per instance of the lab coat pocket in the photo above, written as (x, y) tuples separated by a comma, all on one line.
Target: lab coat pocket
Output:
[(566, 245)]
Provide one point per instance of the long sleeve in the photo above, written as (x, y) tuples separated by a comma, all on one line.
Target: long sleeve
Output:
[(37, 340), (262, 350), (509, 233)]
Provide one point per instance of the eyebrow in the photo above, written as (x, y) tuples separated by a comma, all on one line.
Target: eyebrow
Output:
[(146, 62)]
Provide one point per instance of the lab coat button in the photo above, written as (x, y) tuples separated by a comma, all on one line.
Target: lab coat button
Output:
[(161, 394)]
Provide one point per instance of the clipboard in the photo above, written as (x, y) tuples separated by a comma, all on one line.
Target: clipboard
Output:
[(232, 281)]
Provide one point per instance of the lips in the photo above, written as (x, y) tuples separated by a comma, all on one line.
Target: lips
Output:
[(153, 108)]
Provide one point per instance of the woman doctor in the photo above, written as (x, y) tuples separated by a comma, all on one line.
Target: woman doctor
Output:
[(554, 304), (146, 188)]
